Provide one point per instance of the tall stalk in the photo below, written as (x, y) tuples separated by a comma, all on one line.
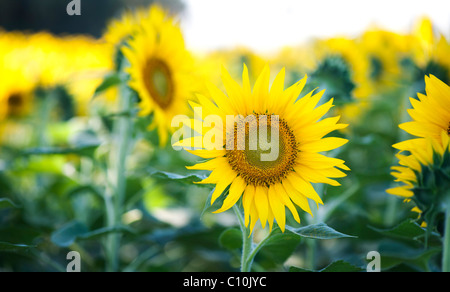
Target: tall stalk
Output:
[(115, 196), (446, 244)]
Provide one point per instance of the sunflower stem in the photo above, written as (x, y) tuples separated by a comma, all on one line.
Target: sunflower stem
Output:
[(247, 242), (391, 214), (116, 197), (446, 246)]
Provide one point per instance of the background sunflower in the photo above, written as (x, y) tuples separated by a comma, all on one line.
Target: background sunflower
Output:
[(160, 70)]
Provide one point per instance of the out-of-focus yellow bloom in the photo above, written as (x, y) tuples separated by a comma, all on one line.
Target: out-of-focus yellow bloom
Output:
[(16, 94), (43, 60), (232, 59), (384, 50), (295, 59), (425, 35), (119, 30), (358, 68), (160, 70), (430, 50)]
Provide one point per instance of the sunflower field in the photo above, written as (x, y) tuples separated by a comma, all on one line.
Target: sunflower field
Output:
[(132, 152)]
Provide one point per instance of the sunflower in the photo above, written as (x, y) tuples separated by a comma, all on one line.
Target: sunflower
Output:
[(430, 113), (424, 174), (425, 160), (344, 70), (412, 165), (160, 71), (16, 94), (267, 186), (429, 51), (384, 49)]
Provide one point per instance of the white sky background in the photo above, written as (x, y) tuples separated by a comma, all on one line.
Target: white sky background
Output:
[(265, 26)]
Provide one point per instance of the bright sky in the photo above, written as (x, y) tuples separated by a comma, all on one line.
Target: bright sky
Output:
[(265, 25)]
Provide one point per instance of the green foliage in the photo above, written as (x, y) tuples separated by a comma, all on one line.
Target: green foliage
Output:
[(337, 267), (318, 231)]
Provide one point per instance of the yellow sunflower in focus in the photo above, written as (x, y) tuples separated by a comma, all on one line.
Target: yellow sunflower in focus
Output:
[(411, 165), (160, 70), (430, 113), (424, 167), (267, 186)]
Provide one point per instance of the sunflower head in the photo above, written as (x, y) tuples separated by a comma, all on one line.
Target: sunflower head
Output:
[(425, 169), (430, 112), (424, 174), (334, 73), (16, 94), (270, 144), (345, 57), (160, 70)]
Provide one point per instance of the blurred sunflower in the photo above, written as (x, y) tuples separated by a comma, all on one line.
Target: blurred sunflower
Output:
[(344, 70), (384, 49), (425, 169), (160, 70), (295, 59), (120, 30), (267, 187), (233, 59), (16, 94), (429, 55)]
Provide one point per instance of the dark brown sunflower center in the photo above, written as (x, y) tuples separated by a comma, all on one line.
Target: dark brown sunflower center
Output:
[(159, 82), (15, 103), (257, 163)]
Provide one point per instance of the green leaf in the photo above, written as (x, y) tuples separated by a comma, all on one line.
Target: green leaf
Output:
[(190, 178), (16, 248), (231, 238), (85, 189), (341, 266), (110, 80), (217, 203), (84, 139), (106, 230), (297, 270), (83, 151), (69, 233), (337, 266), (280, 246), (408, 229), (318, 231), (394, 253), (7, 203)]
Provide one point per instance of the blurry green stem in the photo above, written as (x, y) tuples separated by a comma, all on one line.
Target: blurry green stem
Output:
[(114, 203), (247, 240), (393, 201), (446, 246), (311, 244), (45, 109)]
